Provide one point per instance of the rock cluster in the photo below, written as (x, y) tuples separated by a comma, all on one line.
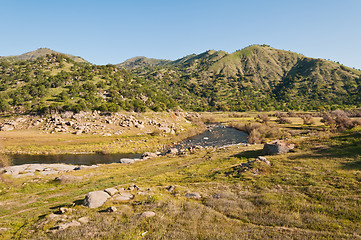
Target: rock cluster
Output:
[(44, 169), (97, 199), (86, 122)]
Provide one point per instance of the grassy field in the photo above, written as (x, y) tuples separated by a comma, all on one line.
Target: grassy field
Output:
[(313, 192)]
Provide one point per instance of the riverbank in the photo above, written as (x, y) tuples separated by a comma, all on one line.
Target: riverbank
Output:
[(309, 193), (123, 133)]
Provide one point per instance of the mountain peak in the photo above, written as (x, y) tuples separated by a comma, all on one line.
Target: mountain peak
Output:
[(41, 52)]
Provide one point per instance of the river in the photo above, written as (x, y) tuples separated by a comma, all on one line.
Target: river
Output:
[(214, 136)]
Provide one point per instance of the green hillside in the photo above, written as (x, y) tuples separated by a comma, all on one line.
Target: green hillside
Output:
[(57, 82), (255, 78)]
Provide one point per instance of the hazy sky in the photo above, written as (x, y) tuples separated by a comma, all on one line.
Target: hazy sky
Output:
[(112, 31)]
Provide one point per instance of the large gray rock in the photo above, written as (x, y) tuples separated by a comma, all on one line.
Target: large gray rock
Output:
[(277, 147), (95, 199)]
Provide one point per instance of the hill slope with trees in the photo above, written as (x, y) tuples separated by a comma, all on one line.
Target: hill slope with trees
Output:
[(255, 78)]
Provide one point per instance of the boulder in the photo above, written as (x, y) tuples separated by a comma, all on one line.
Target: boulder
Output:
[(95, 199), (172, 151), (193, 195), (277, 147), (147, 214), (148, 155), (63, 210), (83, 220), (123, 197), (127, 160), (111, 191), (263, 159), (165, 129)]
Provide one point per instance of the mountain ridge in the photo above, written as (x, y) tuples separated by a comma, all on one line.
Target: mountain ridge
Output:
[(258, 77), (40, 52)]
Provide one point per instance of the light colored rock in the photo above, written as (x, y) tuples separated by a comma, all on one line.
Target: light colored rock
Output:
[(165, 129), (81, 167), (6, 127), (148, 155), (147, 214), (123, 197), (193, 195), (277, 147), (63, 210), (111, 191), (95, 199), (83, 220), (263, 159), (127, 160), (172, 151)]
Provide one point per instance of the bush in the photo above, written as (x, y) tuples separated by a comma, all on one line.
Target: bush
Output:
[(259, 132), (339, 120), (307, 119), (283, 120), (263, 117), (208, 119)]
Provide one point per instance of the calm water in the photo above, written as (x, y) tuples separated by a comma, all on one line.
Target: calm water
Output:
[(215, 136)]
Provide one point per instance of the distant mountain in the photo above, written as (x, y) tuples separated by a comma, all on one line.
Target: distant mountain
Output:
[(142, 62), (41, 52), (258, 77)]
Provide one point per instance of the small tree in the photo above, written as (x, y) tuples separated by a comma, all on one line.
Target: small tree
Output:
[(307, 119)]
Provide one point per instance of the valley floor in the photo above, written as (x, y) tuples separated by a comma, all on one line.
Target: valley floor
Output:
[(310, 193)]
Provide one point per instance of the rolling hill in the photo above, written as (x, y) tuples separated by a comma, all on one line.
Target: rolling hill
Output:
[(258, 77), (41, 52)]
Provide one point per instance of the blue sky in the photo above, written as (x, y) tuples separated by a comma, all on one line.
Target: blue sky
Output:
[(110, 31)]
